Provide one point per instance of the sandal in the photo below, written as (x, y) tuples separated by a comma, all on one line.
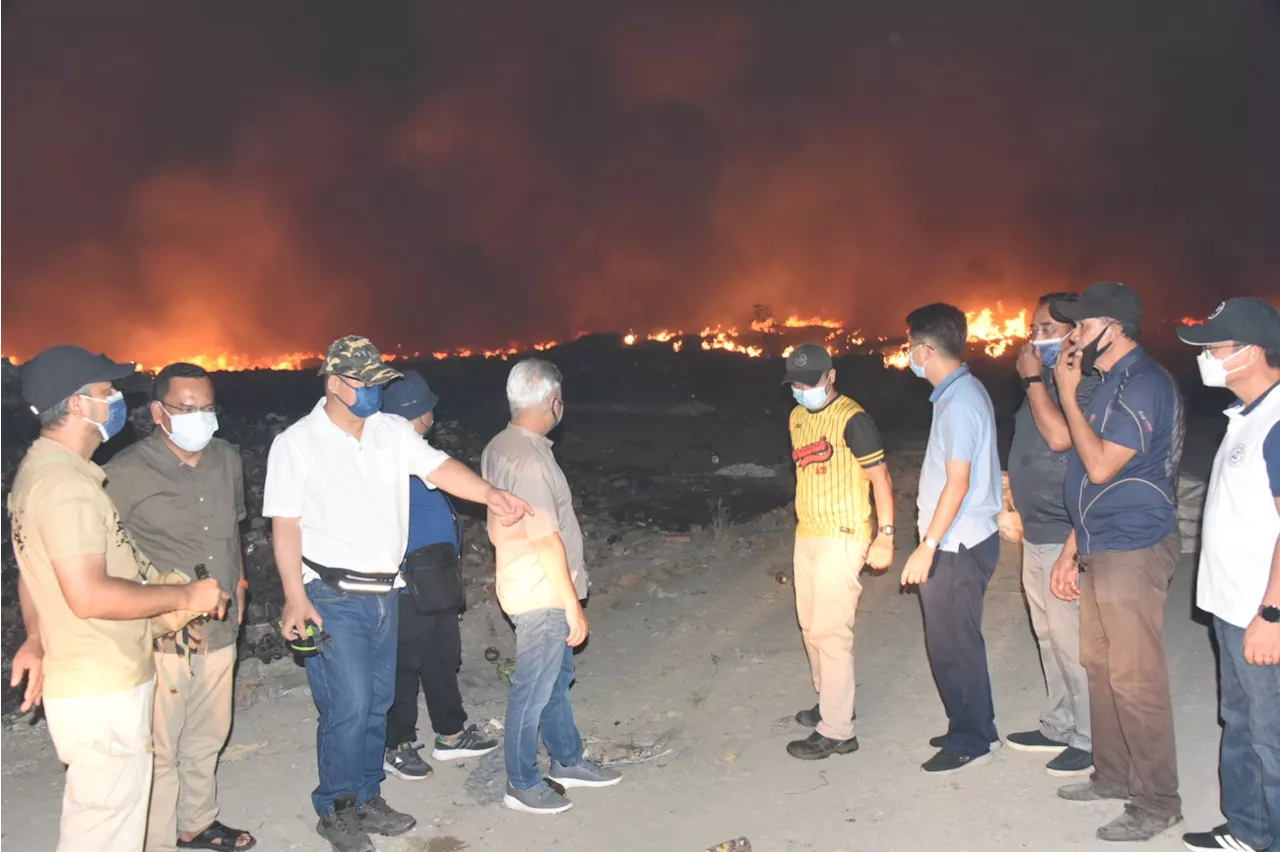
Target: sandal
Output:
[(218, 836)]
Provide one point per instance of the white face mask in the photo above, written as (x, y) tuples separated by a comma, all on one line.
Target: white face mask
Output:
[(1213, 372), (192, 431)]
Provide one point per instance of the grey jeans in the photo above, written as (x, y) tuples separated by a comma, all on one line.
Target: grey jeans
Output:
[(1057, 627)]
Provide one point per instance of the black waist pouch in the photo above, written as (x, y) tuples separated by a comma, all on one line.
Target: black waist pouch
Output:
[(353, 582), (434, 576)]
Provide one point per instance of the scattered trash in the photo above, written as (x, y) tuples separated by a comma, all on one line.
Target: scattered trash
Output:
[(491, 654), (746, 471), (742, 844), (240, 751), (630, 751), (730, 756), (506, 671)]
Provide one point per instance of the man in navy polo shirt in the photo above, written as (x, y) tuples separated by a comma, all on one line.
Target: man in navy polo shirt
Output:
[(429, 644), (1239, 580), (1121, 495)]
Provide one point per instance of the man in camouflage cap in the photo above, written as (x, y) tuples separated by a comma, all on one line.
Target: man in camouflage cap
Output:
[(337, 492)]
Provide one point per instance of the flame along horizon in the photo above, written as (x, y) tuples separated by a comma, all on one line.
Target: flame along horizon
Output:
[(991, 328)]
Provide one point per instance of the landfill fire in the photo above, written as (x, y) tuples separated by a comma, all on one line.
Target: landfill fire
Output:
[(765, 336)]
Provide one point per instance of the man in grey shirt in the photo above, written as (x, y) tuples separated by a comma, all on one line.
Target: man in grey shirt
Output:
[(1037, 475), (180, 492)]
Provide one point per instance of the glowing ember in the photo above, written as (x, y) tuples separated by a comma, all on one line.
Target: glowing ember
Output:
[(629, 338), (664, 336), (1191, 321)]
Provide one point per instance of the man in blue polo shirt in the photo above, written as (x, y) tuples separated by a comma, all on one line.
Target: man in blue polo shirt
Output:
[(429, 643), (959, 498), (1239, 581), (1121, 494)]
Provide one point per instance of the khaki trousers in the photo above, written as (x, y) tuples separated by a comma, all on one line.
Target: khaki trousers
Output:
[(827, 592), (105, 741), (192, 721)]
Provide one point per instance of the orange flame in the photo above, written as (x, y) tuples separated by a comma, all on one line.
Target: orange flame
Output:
[(1191, 321), (996, 336)]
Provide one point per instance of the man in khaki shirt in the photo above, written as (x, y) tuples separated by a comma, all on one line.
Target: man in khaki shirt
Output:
[(180, 493), (85, 603), (541, 581)]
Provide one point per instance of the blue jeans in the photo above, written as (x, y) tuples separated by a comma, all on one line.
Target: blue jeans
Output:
[(353, 684), (952, 600), (1250, 709), (540, 697)]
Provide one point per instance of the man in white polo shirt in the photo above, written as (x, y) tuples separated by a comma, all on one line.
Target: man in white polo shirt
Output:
[(337, 492), (1239, 582)]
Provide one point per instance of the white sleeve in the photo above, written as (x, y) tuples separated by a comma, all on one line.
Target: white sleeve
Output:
[(286, 478), (422, 457)]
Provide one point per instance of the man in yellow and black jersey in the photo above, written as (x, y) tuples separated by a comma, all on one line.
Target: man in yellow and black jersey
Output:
[(839, 462)]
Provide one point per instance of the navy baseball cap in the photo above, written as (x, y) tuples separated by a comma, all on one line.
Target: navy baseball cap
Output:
[(1243, 320), (58, 372), (410, 396), (1105, 299)]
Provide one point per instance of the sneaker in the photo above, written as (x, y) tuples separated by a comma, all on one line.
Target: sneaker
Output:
[(587, 773), (1033, 741), (403, 761), (536, 800), (1071, 762), (1137, 824), (945, 763), (466, 744), (817, 747), (940, 741), (1219, 838), (342, 829), (1090, 791), (810, 718), (377, 817)]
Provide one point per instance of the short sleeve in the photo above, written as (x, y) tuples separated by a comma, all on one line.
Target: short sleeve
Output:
[(282, 495), (528, 480), (237, 483), (422, 457), (1141, 402), (76, 527), (962, 432), (1271, 455), (863, 439)]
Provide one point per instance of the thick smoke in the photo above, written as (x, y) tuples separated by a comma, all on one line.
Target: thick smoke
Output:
[(260, 178)]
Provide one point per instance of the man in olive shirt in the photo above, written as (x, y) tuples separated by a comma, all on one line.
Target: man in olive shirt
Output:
[(541, 582), (180, 492), (85, 604)]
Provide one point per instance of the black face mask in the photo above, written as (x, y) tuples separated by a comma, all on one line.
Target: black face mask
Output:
[(1091, 352)]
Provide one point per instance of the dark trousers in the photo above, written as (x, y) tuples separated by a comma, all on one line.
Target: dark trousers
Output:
[(952, 600), (428, 652), (1122, 596), (1250, 710)]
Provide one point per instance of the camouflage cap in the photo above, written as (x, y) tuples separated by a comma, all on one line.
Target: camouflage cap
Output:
[(355, 357)]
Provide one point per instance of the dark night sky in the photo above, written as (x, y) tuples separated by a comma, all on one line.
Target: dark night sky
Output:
[(262, 177)]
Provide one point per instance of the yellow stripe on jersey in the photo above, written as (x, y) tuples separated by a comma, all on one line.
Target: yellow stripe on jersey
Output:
[(833, 493)]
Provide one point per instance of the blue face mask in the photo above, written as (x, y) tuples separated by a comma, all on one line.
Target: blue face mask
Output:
[(368, 400), (918, 369), (117, 415), (1050, 350), (811, 398)]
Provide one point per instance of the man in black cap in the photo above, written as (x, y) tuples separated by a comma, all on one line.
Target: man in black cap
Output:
[(86, 604), (839, 461), (1121, 492), (1239, 580), (429, 641)]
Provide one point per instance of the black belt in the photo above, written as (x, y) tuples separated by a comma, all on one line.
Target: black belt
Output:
[(353, 582)]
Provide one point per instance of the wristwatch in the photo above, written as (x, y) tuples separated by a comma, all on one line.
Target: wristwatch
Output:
[(887, 529), (1028, 381), (931, 543), (1270, 614)]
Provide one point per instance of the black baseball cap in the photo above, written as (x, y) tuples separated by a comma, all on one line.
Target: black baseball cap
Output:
[(410, 396), (1105, 299), (1243, 320), (807, 364), (58, 372)]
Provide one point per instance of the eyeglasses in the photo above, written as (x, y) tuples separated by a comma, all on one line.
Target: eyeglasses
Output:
[(192, 409), (1214, 347)]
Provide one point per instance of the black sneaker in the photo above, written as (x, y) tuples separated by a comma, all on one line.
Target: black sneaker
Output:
[(466, 744), (940, 741), (1070, 763), (1033, 741), (945, 763), (343, 830), (1219, 838), (377, 817), (403, 761), (810, 718), (817, 747)]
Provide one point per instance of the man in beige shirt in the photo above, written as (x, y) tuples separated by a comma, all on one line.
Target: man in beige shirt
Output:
[(85, 602), (541, 581), (180, 493)]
